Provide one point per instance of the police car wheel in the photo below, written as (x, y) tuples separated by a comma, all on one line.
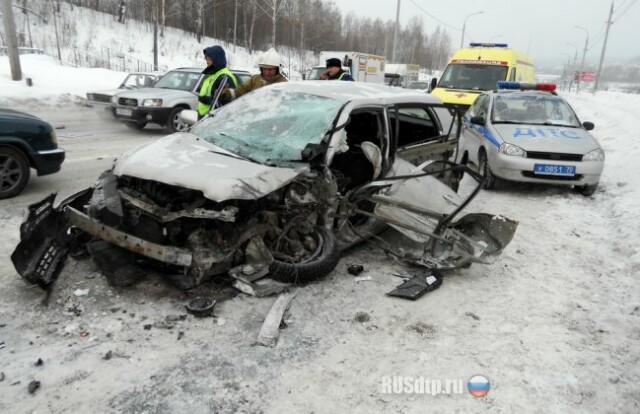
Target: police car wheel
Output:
[(489, 180), (587, 190)]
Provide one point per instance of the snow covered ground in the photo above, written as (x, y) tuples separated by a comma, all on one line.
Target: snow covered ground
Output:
[(554, 324)]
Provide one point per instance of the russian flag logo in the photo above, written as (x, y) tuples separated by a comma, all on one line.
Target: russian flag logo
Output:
[(478, 386)]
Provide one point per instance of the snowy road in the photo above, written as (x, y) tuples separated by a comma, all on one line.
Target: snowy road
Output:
[(554, 323)]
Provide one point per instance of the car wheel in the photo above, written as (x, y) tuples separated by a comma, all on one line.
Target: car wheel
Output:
[(319, 265), (137, 125), (489, 180), (175, 123), (14, 172), (587, 189)]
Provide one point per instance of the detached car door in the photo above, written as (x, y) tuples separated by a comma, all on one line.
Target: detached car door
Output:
[(416, 199)]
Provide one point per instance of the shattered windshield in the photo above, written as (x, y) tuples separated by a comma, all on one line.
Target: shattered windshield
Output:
[(269, 125), (533, 109), (472, 76)]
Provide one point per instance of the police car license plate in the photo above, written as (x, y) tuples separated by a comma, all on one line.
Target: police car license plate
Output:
[(124, 111), (546, 169)]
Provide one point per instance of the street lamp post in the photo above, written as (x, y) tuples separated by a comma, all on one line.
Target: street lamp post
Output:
[(568, 79), (575, 50), (584, 54), (464, 26)]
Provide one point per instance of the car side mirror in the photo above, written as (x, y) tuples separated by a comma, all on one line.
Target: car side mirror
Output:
[(478, 120), (189, 116), (432, 85), (588, 125)]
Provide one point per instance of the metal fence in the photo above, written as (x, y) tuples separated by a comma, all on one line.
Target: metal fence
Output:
[(108, 59), (22, 51), (104, 58)]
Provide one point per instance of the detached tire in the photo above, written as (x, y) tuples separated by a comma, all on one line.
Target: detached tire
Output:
[(14, 172), (317, 268)]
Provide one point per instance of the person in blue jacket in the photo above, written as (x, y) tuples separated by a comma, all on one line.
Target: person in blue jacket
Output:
[(335, 72), (215, 72)]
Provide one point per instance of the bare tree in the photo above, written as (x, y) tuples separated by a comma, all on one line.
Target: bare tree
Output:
[(273, 9)]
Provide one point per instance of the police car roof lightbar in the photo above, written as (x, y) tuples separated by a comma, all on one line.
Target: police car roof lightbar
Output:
[(549, 87), (488, 45)]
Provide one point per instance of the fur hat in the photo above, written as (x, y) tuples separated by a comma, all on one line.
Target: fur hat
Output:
[(334, 62)]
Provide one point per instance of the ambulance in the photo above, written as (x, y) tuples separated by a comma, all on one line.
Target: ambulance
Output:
[(478, 68)]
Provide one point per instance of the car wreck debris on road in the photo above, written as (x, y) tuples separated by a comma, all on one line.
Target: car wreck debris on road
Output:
[(273, 196)]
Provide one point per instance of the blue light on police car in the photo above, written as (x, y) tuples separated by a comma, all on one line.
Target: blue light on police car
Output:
[(508, 85), (523, 86), (475, 44)]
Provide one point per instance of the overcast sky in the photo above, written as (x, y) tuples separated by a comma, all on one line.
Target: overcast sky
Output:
[(543, 30)]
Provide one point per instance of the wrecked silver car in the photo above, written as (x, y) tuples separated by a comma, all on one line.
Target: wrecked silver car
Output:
[(277, 184)]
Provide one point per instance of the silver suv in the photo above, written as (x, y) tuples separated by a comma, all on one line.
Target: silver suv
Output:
[(162, 104)]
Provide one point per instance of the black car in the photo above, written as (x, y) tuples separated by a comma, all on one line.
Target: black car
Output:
[(26, 142)]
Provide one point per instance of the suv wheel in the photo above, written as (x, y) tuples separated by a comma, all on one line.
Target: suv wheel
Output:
[(138, 125), (175, 123), (14, 172)]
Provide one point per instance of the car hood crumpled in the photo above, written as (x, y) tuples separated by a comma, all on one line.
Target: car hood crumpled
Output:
[(185, 160), (544, 138)]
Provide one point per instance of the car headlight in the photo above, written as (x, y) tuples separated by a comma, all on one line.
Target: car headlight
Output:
[(595, 155), (514, 150), (114, 99), (152, 102), (54, 138)]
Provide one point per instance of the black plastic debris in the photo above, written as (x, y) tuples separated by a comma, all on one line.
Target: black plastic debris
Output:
[(39, 362), (180, 335), (201, 307), (108, 355), (416, 287), (355, 269), (472, 315), (362, 317), (33, 387), (1, 376), (118, 265)]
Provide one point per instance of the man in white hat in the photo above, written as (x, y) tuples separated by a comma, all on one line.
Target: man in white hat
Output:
[(269, 64)]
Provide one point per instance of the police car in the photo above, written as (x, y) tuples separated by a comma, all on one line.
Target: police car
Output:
[(526, 132)]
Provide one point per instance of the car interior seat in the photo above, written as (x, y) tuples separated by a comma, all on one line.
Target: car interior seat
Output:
[(357, 164), (500, 110)]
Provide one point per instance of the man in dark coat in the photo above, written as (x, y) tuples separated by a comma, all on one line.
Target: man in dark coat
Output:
[(335, 72)]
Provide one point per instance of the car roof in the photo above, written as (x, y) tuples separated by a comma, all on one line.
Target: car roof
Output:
[(525, 93), (201, 69), (358, 92), (147, 73)]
